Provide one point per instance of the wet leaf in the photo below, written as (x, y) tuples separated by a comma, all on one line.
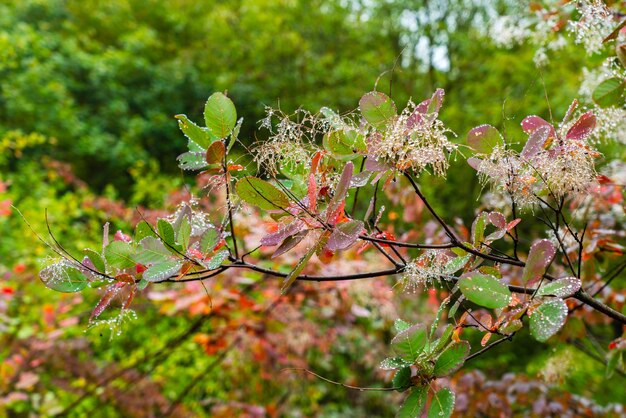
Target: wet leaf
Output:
[(344, 235), (561, 288), (531, 123), (411, 342), (536, 141), (393, 363), (162, 271), (197, 135), (106, 300), (341, 191), (283, 232), (96, 259), (547, 319), (215, 153), (261, 194), (442, 404), (143, 230), (209, 240), (63, 277), (166, 233), (610, 92), (220, 115), (413, 404), (151, 251), (119, 254), (452, 359), (583, 127), (293, 275), (400, 325), (290, 242), (192, 161), (456, 264), (402, 379), (378, 109), (483, 139), (485, 290), (539, 257), (216, 260)]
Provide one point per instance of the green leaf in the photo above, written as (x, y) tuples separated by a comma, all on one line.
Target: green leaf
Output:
[(393, 363), (184, 233), (209, 240), (485, 290), (402, 379), (143, 230), (344, 144), (442, 404), (166, 232), (452, 359), (401, 325), (413, 404), (411, 342), (162, 271), (151, 251), (610, 92), (63, 277), (378, 109), (118, 254), (478, 229), (197, 135), (192, 161), (456, 264), (216, 260), (547, 319), (441, 342), (220, 115), (614, 362), (561, 288), (483, 139), (96, 259), (261, 194)]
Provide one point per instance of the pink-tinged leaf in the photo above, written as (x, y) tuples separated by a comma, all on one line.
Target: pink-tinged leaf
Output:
[(340, 192), (531, 123), (536, 142), (497, 219), (540, 255), (375, 166), (513, 224), (474, 163), (120, 236), (360, 180), (290, 242), (583, 126), (561, 288), (283, 232), (484, 139), (106, 299), (435, 102), (378, 109), (344, 235)]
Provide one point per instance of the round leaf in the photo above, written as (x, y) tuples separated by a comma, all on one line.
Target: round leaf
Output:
[(610, 92), (378, 109), (220, 115), (261, 194), (484, 139), (485, 290), (547, 319)]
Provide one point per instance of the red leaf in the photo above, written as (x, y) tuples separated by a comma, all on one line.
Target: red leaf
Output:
[(583, 126), (539, 257), (106, 299), (215, 152), (531, 123)]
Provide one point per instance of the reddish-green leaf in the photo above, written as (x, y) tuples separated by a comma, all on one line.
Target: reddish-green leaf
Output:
[(539, 257), (344, 235), (582, 127), (484, 139), (215, 152), (378, 109)]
